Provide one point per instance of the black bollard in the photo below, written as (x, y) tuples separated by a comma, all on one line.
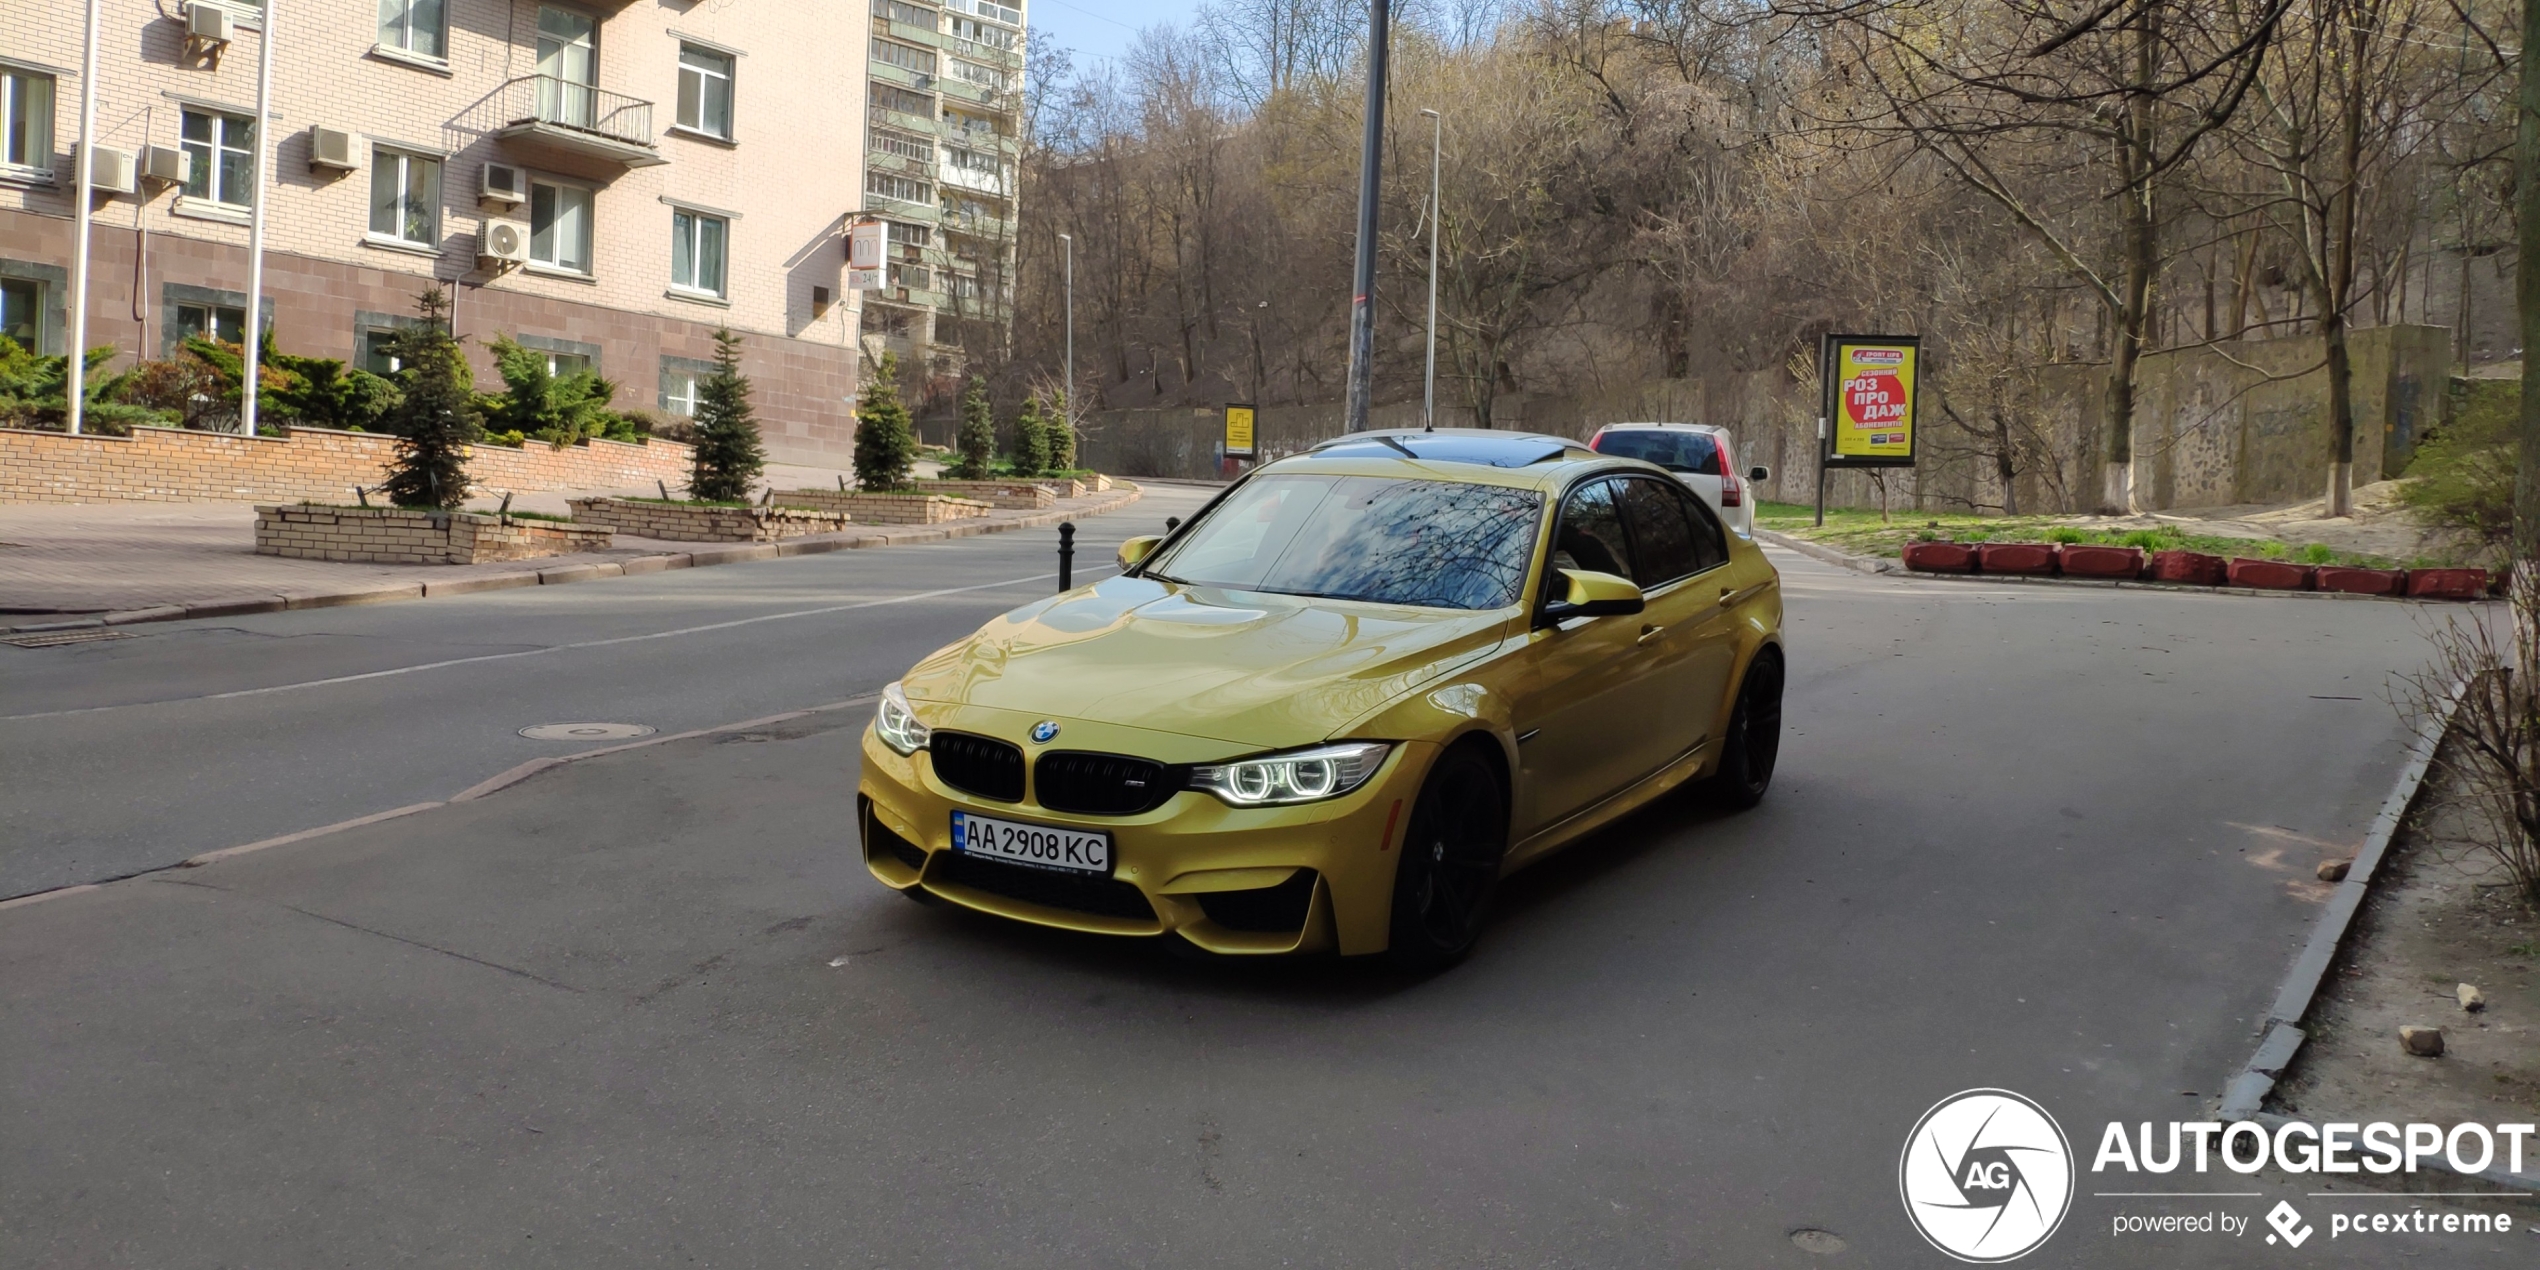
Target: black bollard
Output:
[(1172, 523), (1066, 555)]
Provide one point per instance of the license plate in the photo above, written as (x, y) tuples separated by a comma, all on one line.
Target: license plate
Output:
[(1073, 850)]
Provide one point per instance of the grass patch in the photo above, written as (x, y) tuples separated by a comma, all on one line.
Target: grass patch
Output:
[(1859, 531), (545, 516), (688, 502)]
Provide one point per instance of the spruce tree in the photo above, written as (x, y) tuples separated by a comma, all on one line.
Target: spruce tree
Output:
[(436, 419), (1031, 439), (885, 450), (1058, 438), (729, 455), (977, 441)]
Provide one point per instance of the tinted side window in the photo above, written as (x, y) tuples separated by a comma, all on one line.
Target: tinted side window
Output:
[(1592, 535), (1710, 540), (1665, 544)]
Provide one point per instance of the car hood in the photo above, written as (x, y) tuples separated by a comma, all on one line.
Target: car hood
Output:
[(1239, 666)]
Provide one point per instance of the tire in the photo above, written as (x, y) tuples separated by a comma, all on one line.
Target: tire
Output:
[(1754, 740), (1450, 862)]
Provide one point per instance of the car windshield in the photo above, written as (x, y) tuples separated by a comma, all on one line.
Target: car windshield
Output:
[(1430, 544), (1670, 448)]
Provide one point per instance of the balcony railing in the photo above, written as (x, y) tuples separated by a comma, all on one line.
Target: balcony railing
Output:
[(577, 116)]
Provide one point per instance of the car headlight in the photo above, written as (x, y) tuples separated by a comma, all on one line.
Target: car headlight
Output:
[(896, 724), (1298, 776)]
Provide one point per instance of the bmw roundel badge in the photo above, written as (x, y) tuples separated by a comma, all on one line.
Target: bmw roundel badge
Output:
[(1043, 731)]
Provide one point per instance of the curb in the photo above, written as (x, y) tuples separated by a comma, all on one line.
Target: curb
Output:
[(557, 575), (2280, 1034), (1883, 567)]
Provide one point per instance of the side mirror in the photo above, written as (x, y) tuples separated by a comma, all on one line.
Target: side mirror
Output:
[(1593, 594), (1759, 475), (1137, 549)]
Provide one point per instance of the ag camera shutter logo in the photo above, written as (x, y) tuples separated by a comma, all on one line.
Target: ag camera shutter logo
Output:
[(1987, 1176)]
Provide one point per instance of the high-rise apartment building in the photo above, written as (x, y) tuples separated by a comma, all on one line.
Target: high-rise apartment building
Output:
[(608, 181), (943, 92)]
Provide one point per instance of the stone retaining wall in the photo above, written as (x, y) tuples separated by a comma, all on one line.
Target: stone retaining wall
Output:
[(885, 509), (688, 522), (396, 535), (318, 464), (1003, 495)]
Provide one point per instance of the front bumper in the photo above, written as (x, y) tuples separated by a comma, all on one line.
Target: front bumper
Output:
[(1308, 878)]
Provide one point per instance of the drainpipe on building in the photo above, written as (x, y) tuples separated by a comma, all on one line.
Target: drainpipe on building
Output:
[(78, 403), (266, 148)]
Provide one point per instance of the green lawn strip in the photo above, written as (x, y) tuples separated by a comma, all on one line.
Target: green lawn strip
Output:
[(1859, 531), (686, 502)]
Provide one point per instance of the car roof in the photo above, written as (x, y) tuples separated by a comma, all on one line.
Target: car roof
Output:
[(1485, 456), (1660, 427)]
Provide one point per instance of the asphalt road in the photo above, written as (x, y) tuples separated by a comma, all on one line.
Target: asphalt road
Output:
[(650, 1010)]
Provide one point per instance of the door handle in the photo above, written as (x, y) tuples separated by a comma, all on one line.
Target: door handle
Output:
[(1650, 632), (1727, 596)]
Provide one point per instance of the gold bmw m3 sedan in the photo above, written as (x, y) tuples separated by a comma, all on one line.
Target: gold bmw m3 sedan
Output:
[(1329, 713)]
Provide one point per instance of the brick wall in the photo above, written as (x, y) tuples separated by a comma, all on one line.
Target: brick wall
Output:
[(689, 523), (385, 535), (885, 509), (172, 466)]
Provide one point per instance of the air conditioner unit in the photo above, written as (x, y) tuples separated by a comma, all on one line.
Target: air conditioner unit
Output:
[(331, 148), (167, 163), (505, 184), (112, 171), (208, 24), (503, 242)]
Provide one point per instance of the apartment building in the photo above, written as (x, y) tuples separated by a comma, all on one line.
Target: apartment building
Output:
[(943, 88), (608, 181)]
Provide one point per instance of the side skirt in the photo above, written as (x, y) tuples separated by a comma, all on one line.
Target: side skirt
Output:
[(1617, 805)]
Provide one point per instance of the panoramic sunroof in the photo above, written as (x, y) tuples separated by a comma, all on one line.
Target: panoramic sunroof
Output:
[(1448, 447)]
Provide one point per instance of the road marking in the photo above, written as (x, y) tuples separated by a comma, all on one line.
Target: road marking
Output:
[(537, 652)]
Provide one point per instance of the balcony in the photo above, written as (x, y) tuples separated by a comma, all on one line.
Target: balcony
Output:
[(580, 119)]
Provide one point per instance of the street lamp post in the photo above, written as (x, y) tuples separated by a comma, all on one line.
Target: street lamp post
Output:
[(248, 393), (1429, 394), (1068, 402), (77, 406), (1362, 304)]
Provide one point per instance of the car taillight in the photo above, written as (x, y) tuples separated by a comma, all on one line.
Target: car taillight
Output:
[(1730, 495)]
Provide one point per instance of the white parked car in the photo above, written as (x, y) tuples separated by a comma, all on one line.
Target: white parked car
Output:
[(1699, 454)]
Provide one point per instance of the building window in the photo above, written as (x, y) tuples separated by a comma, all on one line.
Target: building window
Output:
[(560, 226), (893, 97), (405, 197), (883, 320), (990, 10), (680, 377), (913, 237), (560, 365), (907, 57), (224, 150), (379, 351), (22, 312), (903, 145), (983, 76), (982, 37), (887, 185), (222, 322), (705, 91), (414, 26), (980, 130), (914, 277), (26, 119), (696, 252), (969, 213), (906, 14)]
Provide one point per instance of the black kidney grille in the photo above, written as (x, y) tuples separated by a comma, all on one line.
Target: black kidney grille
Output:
[(1100, 784), (1050, 888), (978, 765)]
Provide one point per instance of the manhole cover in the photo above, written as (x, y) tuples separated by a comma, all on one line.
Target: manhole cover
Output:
[(586, 731), (1821, 1242), (49, 639)]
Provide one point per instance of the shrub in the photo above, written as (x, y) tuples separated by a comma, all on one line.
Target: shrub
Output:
[(978, 436), (557, 409), (1059, 438), (436, 415), (729, 455), (884, 447), (2315, 553), (35, 392), (2462, 477), (2066, 534)]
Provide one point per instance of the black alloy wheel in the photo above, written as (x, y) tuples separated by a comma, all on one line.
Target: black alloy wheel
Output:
[(1755, 735), (1450, 862)]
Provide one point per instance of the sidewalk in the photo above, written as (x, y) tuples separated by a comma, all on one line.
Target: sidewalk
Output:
[(151, 561)]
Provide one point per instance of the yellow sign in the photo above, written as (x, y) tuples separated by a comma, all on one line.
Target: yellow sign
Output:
[(1239, 432), (1872, 406)]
